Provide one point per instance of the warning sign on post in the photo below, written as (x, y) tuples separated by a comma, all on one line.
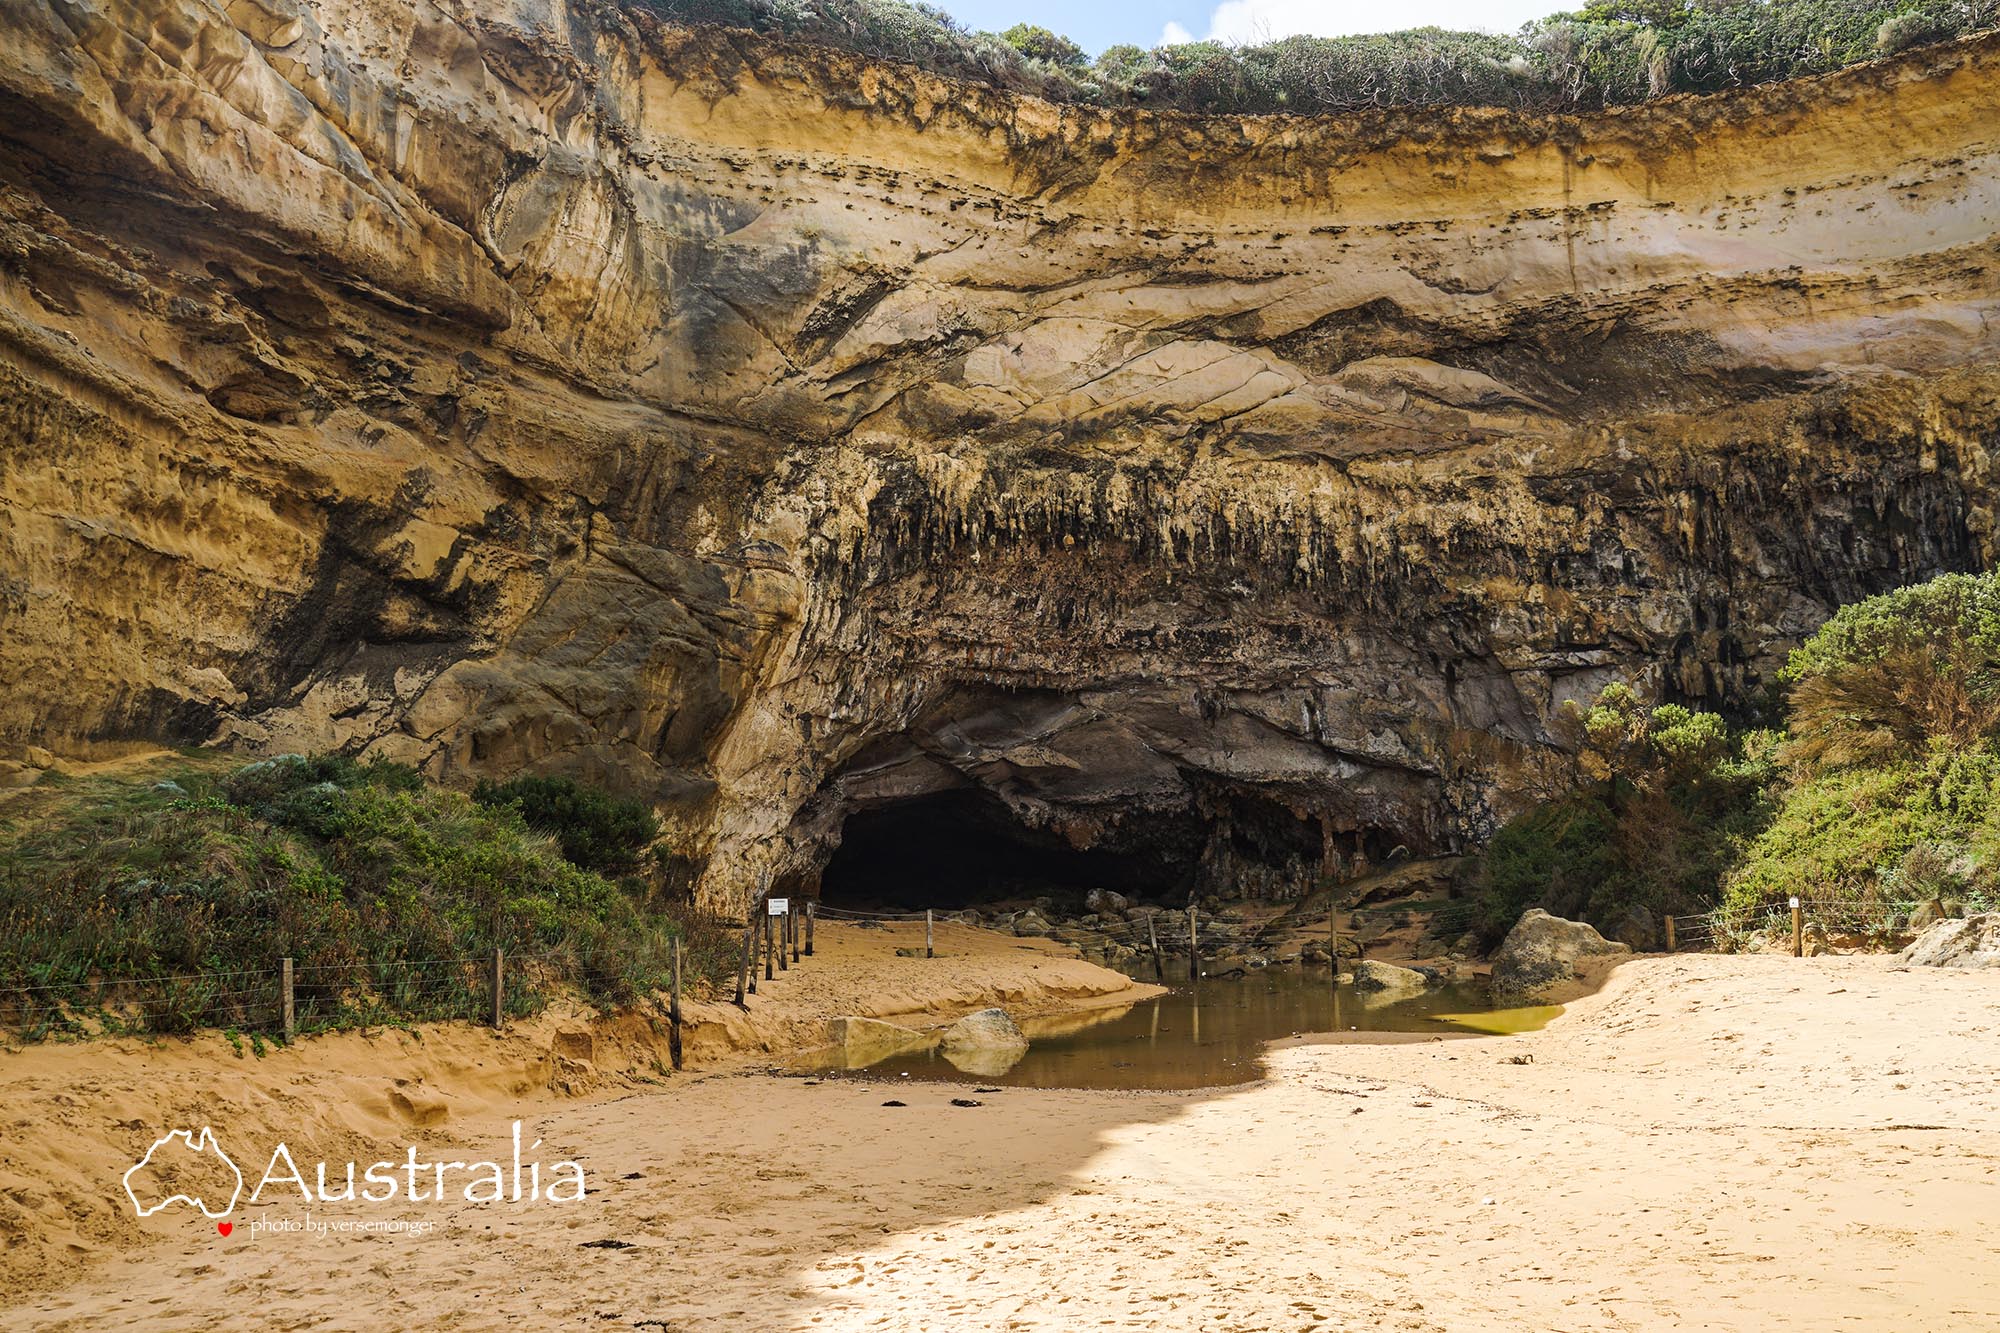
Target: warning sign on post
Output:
[(779, 906)]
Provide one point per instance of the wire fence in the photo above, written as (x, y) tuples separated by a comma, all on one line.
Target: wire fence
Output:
[(1177, 933), (1845, 920), (1142, 929), (954, 916), (286, 1001)]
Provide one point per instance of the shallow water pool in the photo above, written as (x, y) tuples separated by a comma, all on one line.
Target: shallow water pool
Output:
[(1200, 1036)]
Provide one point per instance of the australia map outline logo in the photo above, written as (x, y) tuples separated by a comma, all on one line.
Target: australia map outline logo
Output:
[(203, 1142)]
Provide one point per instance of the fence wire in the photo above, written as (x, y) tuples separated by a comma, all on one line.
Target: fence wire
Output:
[(324, 996), (1738, 928), (366, 993)]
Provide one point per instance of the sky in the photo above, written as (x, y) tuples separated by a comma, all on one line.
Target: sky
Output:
[(1096, 24)]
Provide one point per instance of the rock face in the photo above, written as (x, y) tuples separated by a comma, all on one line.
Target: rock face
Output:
[(526, 385), (1972, 941), (1546, 960), (1387, 980)]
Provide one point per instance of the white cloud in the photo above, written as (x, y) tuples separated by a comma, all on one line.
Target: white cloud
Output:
[(1175, 35), (1250, 21)]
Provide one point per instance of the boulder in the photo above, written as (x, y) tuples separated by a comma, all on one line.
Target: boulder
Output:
[(988, 1028), (986, 1044), (1440, 973), (1031, 923), (1387, 980), (1972, 941), (1105, 902), (1636, 930), (866, 1041), (1547, 960), (1226, 965)]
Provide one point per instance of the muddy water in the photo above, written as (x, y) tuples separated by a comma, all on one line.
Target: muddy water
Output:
[(1202, 1036)]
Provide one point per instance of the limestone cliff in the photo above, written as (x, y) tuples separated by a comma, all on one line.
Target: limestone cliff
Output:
[(501, 384)]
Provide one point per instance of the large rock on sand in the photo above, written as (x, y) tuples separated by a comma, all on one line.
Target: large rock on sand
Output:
[(986, 1044), (1971, 942), (866, 1041), (1386, 980), (1547, 960)]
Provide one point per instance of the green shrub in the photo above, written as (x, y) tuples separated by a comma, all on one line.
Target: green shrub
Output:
[(1045, 46), (1896, 675), (1893, 832), (386, 892), (1556, 857), (1665, 802), (1883, 791), (596, 830)]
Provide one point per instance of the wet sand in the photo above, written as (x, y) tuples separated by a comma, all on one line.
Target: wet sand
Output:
[(1708, 1143)]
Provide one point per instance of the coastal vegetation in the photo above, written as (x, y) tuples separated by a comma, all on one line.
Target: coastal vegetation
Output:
[(1609, 53), (163, 897), (1879, 790)]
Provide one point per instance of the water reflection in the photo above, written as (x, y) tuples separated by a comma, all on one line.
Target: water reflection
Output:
[(1196, 1037), (986, 1063)]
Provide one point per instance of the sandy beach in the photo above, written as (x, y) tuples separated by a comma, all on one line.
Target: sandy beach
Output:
[(1707, 1143)]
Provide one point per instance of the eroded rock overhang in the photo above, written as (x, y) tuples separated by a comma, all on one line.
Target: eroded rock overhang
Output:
[(535, 386)]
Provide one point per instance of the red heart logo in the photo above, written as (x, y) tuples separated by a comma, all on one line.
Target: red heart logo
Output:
[(225, 1227)]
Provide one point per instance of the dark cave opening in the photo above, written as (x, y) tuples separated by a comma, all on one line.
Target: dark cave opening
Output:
[(966, 848)]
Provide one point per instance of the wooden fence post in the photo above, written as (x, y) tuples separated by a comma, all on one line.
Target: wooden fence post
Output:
[(928, 952), (783, 927), (499, 986), (1333, 939), (1671, 941), (744, 981), (1159, 960), (285, 991), (1194, 946), (770, 973), (811, 915), (674, 1010), (1798, 929), (792, 920)]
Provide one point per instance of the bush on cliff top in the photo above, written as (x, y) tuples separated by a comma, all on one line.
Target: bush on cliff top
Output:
[(1612, 52), (384, 889)]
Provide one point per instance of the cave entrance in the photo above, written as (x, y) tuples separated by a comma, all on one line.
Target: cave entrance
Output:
[(966, 848)]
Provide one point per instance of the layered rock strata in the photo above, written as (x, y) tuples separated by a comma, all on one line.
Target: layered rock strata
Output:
[(507, 384)]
